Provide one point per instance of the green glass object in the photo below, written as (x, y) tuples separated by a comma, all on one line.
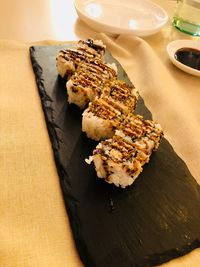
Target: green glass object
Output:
[(187, 17)]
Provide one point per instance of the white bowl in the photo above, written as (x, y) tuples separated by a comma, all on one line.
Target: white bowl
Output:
[(138, 17), (178, 44)]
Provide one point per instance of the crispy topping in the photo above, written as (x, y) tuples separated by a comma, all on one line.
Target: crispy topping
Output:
[(76, 55), (135, 126), (98, 67), (121, 91), (121, 95), (86, 82), (102, 109)]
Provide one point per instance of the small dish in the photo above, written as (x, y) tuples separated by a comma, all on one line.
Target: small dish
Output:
[(138, 17), (177, 45)]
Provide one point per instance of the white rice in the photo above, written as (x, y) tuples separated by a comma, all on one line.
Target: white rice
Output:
[(81, 97), (115, 173), (96, 128), (64, 67)]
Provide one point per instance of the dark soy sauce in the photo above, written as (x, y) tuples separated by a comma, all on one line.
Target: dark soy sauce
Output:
[(189, 57)]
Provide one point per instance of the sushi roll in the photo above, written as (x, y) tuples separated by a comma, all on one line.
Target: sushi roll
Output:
[(88, 82), (100, 120), (68, 60), (119, 162), (135, 127), (122, 95)]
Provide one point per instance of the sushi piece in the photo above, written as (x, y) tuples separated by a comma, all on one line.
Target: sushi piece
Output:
[(68, 60), (88, 82), (120, 159), (135, 127), (119, 162), (121, 95), (100, 120)]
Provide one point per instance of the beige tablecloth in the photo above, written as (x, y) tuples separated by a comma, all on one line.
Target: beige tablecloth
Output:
[(34, 227)]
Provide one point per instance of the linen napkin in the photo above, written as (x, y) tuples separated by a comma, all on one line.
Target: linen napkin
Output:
[(34, 227)]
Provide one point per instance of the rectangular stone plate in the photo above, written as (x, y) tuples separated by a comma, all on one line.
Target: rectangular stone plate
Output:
[(154, 220)]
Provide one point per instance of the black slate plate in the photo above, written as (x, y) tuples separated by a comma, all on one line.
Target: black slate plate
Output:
[(151, 222)]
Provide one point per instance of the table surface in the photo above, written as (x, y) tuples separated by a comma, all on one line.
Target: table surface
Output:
[(36, 20)]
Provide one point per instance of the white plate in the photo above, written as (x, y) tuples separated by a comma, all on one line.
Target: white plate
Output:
[(139, 17), (178, 44)]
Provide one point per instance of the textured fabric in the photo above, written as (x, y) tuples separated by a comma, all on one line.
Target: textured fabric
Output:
[(34, 227)]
